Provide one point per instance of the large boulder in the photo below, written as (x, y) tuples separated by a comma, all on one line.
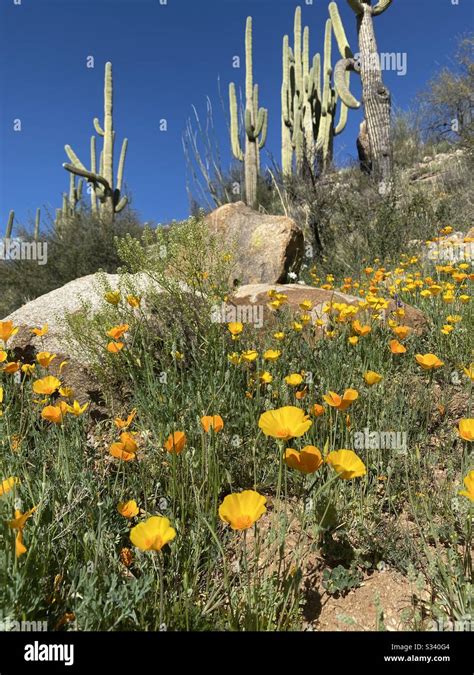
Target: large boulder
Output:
[(265, 248), (254, 297)]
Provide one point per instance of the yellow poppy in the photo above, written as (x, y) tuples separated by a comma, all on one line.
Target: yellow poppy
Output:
[(7, 330), (242, 509), (266, 377), (360, 329), (429, 361), (124, 424), (466, 429), (284, 423), (235, 328), (317, 410), (347, 464), (134, 300), (76, 409), (371, 377), (175, 442), (402, 332), (47, 385), (272, 354), (11, 367), (214, 422), (307, 460), (39, 332), (8, 484), (45, 358), (20, 548), (341, 402), (54, 414), (115, 347), (116, 332), (250, 355), (469, 485), (128, 509), (469, 371), (396, 347), (294, 379), (112, 297), (152, 534), (19, 521)]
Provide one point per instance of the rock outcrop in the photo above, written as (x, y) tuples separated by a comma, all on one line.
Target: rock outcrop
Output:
[(265, 248)]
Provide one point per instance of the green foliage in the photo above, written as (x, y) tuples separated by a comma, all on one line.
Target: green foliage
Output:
[(82, 247), (341, 580)]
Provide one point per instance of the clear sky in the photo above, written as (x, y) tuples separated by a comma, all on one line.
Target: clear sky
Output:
[(167, 57)]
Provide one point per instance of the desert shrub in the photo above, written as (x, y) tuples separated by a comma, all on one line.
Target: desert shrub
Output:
[(83, 247)]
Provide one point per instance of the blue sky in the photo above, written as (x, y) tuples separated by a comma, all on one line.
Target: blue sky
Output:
[(166, 58)]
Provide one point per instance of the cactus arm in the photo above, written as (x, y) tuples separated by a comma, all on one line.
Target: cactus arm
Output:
[(93, 156), (264, 129), (74, 158), (356, 6), (380, 7), (234, 124), (249, 127), (248, 60), (327, 70), (286, 80), (72, 190), (341, 125), (91, 177), (339, 32), (255, 106), (305, 51), (260, 121), (121, 205), (97, 127), (317, 74), (121, 165), (11, 218), (341, 81), (297, 55)]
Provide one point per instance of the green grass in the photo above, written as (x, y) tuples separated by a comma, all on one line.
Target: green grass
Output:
[(405, 512)]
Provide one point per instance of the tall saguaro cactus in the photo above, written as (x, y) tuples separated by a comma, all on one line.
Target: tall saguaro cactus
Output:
[(256, 124), (308, 110), (375, 95), (102, 179)]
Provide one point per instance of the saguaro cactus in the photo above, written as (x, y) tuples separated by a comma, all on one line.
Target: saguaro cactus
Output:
[(37, 224), (256, 124), (375, 95), (102, 181), (70, 202), (8, 231), (308, 110)]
